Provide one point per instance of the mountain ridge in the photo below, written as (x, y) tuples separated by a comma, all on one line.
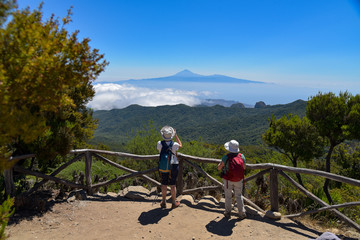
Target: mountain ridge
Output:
[(216, 124)]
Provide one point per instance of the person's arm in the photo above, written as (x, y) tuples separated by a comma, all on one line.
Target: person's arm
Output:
[(220, 165), (177, 139), (244, 161), (159, 146)]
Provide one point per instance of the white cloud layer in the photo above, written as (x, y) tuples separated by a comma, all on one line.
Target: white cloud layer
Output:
[(110, 96)]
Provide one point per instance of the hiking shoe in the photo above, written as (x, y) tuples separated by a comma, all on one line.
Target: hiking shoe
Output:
[(227, 215), (242, 216), (175, 204), (163, 204)]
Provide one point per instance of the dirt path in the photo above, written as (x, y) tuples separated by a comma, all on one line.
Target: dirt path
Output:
[(120, 218)]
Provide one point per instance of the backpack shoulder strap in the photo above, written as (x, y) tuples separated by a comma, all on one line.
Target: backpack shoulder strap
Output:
[(170, 147), (166, 147), (226, 169), (231, 155)]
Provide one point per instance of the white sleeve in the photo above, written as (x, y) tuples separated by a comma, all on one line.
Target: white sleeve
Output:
[(159, 146), (175, 147)]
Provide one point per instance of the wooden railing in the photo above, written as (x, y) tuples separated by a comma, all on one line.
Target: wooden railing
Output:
[(273, 169)]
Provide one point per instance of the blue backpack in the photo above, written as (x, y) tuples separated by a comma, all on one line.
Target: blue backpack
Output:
[(165, 157)]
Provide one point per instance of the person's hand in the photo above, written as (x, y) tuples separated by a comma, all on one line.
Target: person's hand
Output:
[(175, 131)]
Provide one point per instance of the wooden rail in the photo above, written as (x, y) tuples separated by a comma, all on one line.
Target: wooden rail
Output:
[(273, 169)]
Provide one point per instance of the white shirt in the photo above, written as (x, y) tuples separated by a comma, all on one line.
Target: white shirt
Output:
[(174, 149)]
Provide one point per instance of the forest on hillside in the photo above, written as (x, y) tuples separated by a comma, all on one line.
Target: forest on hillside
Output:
[(216, 124)]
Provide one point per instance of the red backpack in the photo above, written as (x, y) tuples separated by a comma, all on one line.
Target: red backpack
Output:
[(236, 169)]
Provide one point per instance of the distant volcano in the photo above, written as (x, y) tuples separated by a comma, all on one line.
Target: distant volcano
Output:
[(187, 73), (188, 76)]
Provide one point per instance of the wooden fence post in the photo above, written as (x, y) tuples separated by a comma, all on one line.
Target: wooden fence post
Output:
[(9, 182), (274, 190), (180, 182), (88, 163)]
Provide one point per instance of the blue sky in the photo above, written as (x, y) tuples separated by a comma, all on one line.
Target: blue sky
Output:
[(297, 45)]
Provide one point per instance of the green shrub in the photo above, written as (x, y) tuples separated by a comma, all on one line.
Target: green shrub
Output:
[(6, 211)]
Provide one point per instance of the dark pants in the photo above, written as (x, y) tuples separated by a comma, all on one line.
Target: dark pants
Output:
[(170, 178)]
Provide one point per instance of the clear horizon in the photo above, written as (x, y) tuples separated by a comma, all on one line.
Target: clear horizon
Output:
[(301, 47)]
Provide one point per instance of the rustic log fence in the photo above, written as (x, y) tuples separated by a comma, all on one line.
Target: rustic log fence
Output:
[(273, 169)]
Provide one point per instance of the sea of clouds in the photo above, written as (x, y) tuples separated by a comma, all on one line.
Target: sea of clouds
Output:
[(115, 96), (151, 94)]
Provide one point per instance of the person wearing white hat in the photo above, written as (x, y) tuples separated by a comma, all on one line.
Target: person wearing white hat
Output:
[(169, 178), (233, 166)]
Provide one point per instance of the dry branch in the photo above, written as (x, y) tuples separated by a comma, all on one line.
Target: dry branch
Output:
[(120, 178), (44, 176), (200, 159), (125, 168), (17, 158), (331, 176), (257, 175), (118, 154), (350, 204), (201, 189)]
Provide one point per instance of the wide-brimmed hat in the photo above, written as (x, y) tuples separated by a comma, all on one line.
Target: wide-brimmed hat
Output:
[(232, 146), (167, 133)]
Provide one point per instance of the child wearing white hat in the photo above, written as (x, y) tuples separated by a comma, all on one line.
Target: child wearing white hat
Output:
[(169, 178)]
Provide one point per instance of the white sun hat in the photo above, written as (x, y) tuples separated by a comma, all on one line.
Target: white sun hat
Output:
[(232, 146), (167, 133)]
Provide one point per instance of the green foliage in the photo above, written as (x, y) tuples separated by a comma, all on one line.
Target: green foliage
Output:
[(143, 143), (352, 128), (6, 6), (6, 211), (201, 149), (294, 137), (327, 112), (45, 75), (347, 158), (261, 154), (68, 172), (145, 140)]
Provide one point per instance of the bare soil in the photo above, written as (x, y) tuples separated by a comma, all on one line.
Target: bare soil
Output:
[(106, 217)]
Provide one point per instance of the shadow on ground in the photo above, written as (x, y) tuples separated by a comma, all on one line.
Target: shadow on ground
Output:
[(223, 227), (153, 216)]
